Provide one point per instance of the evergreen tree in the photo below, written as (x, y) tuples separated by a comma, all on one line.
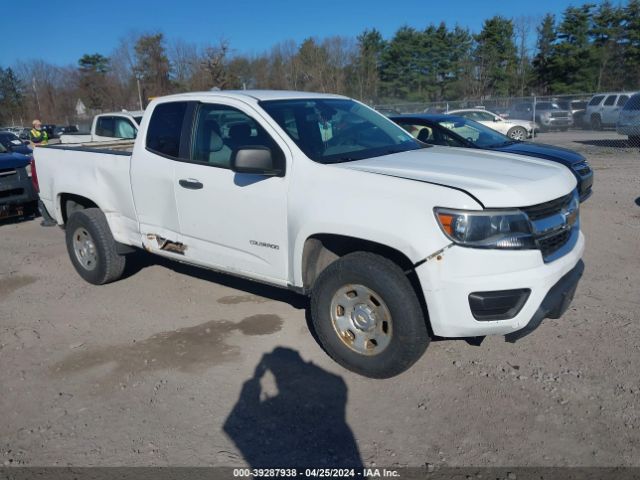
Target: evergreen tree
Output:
[(573, 64), (606, 33), (152, 65), (370, 47), (543, 59), (93, 85), (11, 97), (631, 45), (496, 59)]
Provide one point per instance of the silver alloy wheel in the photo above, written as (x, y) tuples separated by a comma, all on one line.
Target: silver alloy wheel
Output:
[(85, 248), (518, 133), (361, 319)]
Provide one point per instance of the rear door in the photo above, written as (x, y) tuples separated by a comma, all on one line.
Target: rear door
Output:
[(234, 221), (153, 174), (607, 110)]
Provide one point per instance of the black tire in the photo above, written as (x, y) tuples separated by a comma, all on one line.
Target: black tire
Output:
[(518, 133), (108, 265), (596, 122), (634, 140), (409, 337)]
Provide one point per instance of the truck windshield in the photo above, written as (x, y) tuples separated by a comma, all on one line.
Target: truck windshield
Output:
[(338, 130)]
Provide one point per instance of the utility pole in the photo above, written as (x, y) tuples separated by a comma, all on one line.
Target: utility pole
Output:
[(139, 92), (35, 91)]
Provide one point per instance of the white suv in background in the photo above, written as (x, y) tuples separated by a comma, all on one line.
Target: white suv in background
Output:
[(603, 109), (629, 120), (512, 128)]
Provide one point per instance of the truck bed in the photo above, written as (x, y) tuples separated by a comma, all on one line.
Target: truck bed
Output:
[(97, 171), (118, 147)]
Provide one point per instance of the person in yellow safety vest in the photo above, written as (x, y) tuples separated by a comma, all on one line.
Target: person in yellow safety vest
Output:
[(37, 135)]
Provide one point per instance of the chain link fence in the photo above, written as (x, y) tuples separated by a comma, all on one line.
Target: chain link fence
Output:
[(580, 121)]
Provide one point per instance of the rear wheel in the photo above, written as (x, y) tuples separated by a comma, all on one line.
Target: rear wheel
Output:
[(367, 316), (92, 248), (517, 133), (596, 122)]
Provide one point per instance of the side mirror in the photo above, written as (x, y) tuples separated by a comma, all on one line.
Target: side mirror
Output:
[(255, 159), (497, 119)]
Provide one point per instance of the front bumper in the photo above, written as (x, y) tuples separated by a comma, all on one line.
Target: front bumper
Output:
[(629, 130), (555, 303), (449, 278), (16, 191)]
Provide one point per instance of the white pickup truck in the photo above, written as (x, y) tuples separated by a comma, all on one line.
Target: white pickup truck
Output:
[(395, 241), (107, 127)]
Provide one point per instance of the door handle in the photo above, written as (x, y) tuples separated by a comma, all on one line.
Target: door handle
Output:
[(190, 183)]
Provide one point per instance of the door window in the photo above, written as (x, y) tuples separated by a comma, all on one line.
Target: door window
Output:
[(611, 99), (596, 100), (622, 100), (222, 130), (124, 128), (105, 127), (165, 129)]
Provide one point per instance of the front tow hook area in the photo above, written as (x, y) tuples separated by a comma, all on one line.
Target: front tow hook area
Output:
[(555, 303)]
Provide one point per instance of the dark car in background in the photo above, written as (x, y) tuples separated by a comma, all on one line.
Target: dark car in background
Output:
[(12, 143), (50, 129), (548, 115), (17, 193), (452, 131)]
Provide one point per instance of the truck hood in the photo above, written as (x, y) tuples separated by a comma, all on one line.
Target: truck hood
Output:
[(541, 150), (496, 179), (13, 160)]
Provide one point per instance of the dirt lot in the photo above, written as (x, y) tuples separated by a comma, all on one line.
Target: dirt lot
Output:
[(179, 366)]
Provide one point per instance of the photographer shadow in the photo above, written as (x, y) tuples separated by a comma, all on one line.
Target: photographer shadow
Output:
[(302, 426)]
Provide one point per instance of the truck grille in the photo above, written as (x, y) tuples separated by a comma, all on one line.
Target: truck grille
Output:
[(542, 210), (551, 244), (554, 225), (559, 115), (14, 192)]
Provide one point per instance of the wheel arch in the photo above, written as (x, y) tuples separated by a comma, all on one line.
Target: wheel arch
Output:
[(322, 249), (70, 202)]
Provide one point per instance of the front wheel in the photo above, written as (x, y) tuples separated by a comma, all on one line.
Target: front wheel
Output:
[(367, 316), (92, 248), (517, 133)]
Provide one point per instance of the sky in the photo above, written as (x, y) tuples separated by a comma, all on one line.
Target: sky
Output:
[(62, 32)]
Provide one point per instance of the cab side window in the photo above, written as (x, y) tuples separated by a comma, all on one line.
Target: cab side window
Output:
[(124, 128), (165, 129), (105, 127), (220, 131), (611, 99)]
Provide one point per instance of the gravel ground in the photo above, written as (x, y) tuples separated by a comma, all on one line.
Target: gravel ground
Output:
[(179, 366)]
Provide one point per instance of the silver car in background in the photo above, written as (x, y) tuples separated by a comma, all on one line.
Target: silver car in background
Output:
[(629, 120)]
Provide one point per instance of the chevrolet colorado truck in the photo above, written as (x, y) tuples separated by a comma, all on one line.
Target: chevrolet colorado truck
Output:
[(395, 241)]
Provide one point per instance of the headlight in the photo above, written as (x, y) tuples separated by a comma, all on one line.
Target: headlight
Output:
[(507, 229)]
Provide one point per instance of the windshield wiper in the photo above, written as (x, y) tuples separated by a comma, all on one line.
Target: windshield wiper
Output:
[(504, 144)]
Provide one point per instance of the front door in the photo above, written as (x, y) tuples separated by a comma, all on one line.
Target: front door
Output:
[(227, 219)]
